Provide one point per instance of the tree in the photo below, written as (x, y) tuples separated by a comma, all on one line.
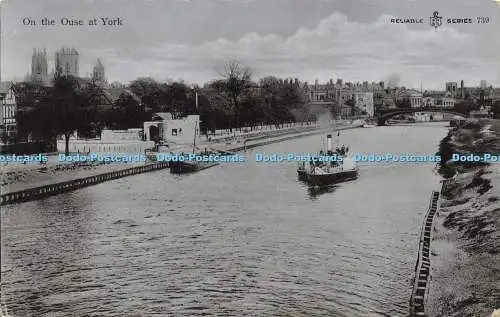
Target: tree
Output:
[(464, 106), (69, 108), (126, 113), (495, 109), (144, 86), (236, 81), (270, 85), (62, 110)]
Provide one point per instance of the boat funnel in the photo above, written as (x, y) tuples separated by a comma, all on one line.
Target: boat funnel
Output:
[(329, 143)]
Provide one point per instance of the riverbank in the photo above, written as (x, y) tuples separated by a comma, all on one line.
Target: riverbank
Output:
[(465, 253), (28, 178)]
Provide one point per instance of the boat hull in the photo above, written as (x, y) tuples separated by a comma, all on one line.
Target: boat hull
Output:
[(189, 167), (326, 179)]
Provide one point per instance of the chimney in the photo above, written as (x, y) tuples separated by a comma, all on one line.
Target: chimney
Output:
[(329, 143)]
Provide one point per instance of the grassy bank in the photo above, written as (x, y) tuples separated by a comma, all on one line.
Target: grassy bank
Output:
[(465, 262)]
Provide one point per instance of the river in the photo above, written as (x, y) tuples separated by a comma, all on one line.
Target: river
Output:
[(240, 239)]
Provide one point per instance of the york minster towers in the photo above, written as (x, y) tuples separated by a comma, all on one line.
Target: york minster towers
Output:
[(39, 68), (67, 62), (98, 73)]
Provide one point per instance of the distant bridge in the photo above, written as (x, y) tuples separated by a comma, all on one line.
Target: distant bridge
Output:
[(383, 114)]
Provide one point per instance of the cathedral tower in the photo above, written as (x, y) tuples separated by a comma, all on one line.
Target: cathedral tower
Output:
[(98, 73), (67, 62), (39, 69)]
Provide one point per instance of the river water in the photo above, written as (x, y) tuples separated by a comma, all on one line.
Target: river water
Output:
[(241, 239)]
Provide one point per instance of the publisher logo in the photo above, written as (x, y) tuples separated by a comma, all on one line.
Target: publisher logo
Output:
[(435, 20)]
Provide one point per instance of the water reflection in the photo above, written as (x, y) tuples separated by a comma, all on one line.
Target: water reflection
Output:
[(314, 191)]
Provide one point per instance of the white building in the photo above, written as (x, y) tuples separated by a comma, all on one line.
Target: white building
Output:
[(111, 142), (121, 135), (429, 101), (416, 99), (428, 116), (8, 107), (364, 101), (448, 102), (167, 128)]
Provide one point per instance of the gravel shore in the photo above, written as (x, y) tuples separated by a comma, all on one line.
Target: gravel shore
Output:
[(465, 254)]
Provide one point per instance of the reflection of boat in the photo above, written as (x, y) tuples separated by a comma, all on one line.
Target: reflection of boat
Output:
[(315, 191), (335, 167)]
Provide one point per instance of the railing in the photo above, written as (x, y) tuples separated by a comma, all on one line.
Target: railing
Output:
[(422, 269)]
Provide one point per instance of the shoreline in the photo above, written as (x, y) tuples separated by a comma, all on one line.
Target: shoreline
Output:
[(49, 184), (465, 276)]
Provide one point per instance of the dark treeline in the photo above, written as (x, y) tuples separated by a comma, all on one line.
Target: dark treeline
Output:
[(234, 101)]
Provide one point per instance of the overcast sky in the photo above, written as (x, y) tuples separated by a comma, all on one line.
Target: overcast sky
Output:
[(309, 39)]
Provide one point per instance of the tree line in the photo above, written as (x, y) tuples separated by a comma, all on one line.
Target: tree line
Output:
[(231, 102)]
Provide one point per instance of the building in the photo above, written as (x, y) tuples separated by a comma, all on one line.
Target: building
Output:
[(66, 62), (253, 89), (39, 68), (364, 101), (483, 84), (107, 97), (345, 111), (8, 109), (451, 87), (446, 102), (165, 127), (428, 101), (321, 92), (416, 99), (98, 75), (462, 90), (114, 142), (408, 98)]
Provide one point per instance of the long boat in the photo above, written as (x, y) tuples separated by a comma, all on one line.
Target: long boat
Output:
[(328, 172), (189, 166)]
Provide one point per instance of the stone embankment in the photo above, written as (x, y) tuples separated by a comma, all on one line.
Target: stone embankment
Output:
[(465, 271)]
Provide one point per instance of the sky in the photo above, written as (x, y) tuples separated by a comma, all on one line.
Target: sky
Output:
[(309, 39)]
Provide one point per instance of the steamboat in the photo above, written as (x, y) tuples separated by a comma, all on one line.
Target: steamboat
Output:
[(333, 171)]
